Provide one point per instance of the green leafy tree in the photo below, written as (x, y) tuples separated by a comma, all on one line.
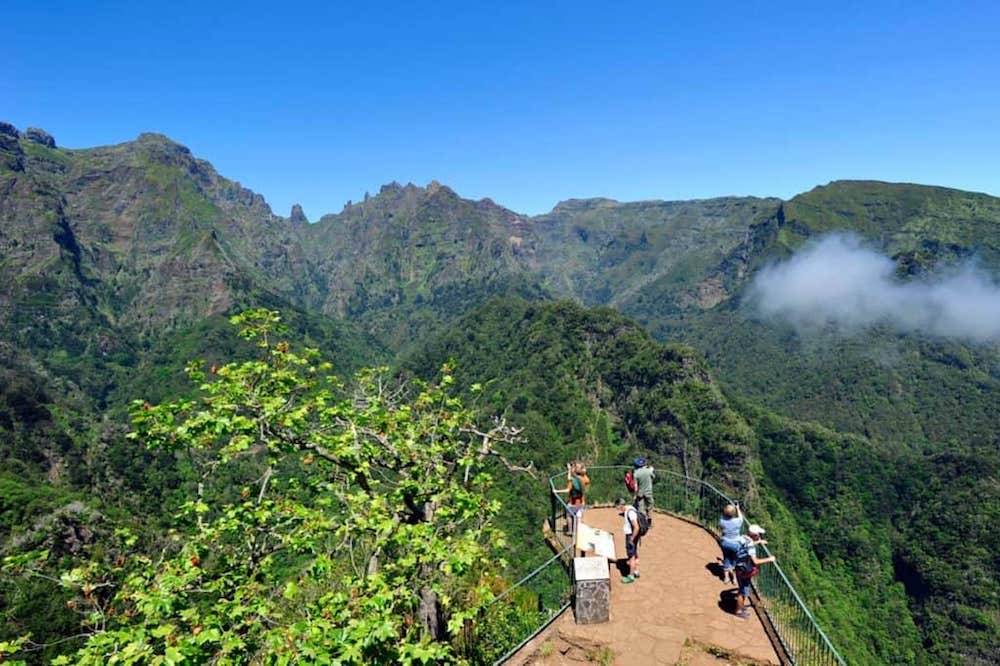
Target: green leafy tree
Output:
[(330, 522)]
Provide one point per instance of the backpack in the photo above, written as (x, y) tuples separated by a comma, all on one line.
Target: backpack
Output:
[(630, 481), (641, 520), (576, 487), (745, 568)]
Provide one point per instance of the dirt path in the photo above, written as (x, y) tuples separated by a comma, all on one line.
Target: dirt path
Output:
[(678, 612)]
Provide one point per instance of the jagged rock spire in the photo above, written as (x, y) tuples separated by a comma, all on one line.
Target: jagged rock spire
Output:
[(298, 216)]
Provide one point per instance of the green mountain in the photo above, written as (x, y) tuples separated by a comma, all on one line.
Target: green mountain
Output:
[(119, 263), (666, 255), (408, 260), (917, 391)]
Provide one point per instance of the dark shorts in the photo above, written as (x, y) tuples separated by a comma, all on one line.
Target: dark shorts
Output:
[(632, 549)]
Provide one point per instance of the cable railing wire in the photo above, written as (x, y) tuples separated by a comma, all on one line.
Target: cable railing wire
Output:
[(531, 575)]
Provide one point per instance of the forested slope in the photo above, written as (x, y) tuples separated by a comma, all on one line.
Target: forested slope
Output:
[(591, 384)]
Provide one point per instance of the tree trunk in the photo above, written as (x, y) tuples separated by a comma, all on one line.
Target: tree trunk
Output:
[(429, 611)]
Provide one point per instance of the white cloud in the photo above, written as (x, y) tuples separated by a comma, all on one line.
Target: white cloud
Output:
[(838, 281)]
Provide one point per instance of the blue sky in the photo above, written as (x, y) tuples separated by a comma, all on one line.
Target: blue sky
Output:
[(525, 103)]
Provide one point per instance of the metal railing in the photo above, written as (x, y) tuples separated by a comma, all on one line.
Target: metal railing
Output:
[(795, 629)]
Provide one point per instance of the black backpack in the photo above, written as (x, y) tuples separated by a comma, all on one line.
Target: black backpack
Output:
[(642, 521)]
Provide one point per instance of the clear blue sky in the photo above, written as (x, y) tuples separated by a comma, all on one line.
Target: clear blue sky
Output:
[(526, 103)]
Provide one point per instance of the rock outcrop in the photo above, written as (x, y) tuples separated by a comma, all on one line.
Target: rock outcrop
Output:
[(38, 135), (11, 153), (298, 216), (6, 129)]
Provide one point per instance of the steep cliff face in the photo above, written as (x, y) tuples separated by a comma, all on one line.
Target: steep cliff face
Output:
[(142, 233)]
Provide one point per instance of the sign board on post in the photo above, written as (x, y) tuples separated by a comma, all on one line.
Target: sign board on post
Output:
[(592, 540), (591, 590)]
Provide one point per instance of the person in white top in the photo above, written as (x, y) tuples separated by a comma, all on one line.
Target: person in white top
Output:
[(632, 536), (747, 566)]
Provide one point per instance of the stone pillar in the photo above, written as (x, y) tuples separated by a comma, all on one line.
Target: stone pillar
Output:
[(591, 590)]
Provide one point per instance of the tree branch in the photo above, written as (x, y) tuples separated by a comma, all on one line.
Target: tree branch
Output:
[(503, 433)]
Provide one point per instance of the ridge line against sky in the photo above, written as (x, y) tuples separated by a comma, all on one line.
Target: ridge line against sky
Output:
[(525, 105)]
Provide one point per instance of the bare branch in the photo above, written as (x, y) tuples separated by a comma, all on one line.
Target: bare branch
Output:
[(263, 483), (528, 469), (500, 432)]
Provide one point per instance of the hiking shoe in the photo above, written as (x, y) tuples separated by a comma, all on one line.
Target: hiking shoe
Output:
[(628, 579), (635, 575), (744, 614)]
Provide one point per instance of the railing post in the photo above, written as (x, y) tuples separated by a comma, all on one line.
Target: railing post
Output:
[(552, 504)]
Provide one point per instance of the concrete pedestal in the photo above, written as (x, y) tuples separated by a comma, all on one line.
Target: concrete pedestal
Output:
[(591, 590)]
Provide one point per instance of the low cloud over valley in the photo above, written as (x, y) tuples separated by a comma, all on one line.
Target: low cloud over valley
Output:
[(840, 282)]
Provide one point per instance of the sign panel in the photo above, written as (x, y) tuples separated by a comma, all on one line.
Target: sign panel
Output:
[(593, 540), (590, 568)]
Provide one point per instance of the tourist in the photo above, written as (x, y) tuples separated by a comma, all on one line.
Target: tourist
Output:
[(731, 524), (644, 475), (632, 537), (747, 566), (577, 484)]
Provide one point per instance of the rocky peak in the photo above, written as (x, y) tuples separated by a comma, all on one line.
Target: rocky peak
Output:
[(298, 216), (583, 204), (6, 129), (40, 136), (434, 188), (162, 143), (11, 153)]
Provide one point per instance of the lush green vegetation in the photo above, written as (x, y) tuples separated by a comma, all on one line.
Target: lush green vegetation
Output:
[(582, 383), (325, 521), (850, 513)]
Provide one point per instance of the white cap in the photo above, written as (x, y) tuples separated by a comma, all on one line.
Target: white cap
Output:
[(755, 529)]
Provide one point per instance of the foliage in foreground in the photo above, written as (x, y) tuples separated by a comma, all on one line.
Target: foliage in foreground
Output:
[(331, 523)]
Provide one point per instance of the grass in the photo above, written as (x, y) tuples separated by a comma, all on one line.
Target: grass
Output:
[(604, 656), (39, 152)]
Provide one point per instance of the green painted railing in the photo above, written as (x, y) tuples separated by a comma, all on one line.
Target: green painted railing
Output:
[(797, 634)]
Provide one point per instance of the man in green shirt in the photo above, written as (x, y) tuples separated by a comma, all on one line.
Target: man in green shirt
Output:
[(644, 475)]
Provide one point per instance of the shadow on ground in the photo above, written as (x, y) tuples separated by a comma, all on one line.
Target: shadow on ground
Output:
[(727, 600)]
